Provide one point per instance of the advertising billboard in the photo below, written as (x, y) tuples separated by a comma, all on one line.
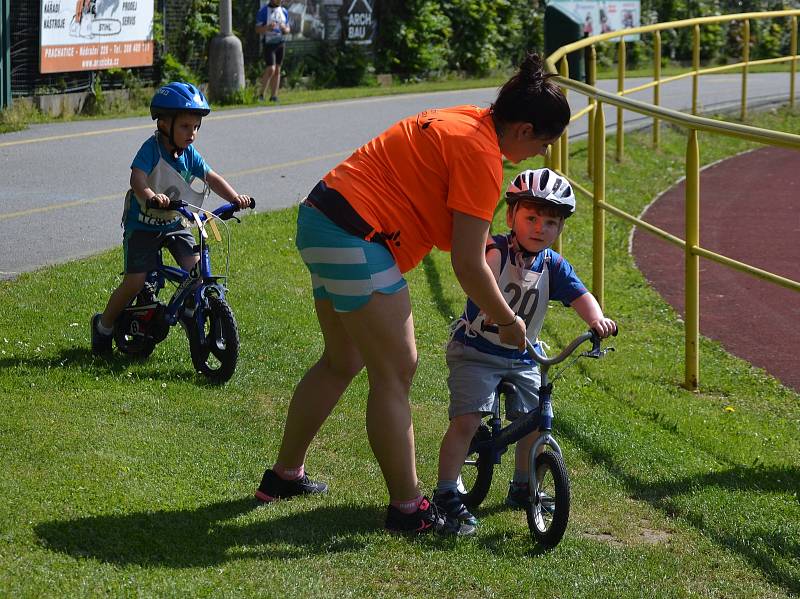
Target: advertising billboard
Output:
[(89, 35), (602, 16), (330, 20)]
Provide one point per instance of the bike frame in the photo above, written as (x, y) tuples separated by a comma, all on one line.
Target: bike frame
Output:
[(186, 279), (539, 419)]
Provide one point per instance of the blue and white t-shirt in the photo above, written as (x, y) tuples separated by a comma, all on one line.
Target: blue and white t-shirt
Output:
[(276, 15), (188, 165), (527, 290)]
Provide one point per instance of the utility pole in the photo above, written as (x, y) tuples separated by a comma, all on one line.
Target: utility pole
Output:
[(225, 58)]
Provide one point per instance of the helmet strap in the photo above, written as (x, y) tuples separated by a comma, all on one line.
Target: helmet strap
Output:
[(173, 148)]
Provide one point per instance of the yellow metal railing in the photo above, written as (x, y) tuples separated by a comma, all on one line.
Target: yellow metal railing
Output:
[(558, 158)]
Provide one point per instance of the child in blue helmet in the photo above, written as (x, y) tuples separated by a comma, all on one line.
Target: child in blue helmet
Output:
[(162, 169), (529, 274)]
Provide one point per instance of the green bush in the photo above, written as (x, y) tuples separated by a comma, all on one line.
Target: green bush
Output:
[(416, 43)]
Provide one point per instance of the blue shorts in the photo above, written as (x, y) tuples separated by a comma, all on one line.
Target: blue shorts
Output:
[(345, 269)]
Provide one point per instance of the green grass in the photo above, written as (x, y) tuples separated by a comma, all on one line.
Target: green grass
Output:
[(135, 478)]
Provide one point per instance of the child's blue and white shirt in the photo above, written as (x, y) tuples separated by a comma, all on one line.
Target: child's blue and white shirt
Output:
[(526, 289)]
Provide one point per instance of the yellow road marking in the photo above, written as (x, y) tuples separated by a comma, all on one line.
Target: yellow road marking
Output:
[(261, 169)]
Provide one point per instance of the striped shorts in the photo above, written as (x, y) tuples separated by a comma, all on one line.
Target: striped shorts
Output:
[(345, 269)]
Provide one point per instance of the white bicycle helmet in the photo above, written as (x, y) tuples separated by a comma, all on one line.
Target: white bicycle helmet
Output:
[(542, 186)]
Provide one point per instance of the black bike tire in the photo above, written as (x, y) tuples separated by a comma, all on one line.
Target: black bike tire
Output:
[(217, 309), (483, 480), (550, 536)]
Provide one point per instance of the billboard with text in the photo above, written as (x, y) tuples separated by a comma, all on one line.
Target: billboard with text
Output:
[(88, 35)]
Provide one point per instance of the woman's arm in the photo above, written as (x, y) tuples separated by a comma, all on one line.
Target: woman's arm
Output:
[(473, 273)]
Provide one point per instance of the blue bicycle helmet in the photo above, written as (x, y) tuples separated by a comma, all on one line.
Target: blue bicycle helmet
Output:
[(178, 97)]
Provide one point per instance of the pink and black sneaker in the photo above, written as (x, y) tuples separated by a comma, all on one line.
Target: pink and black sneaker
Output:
[(426, 519), (273, 487)]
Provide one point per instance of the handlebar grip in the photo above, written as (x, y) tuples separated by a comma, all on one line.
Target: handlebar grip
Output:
[(252, 203), (173, 204)]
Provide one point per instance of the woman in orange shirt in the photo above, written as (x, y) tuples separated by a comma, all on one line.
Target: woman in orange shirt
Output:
[(432, 179)]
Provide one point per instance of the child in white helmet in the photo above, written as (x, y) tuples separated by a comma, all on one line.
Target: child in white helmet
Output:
[(529, 274)]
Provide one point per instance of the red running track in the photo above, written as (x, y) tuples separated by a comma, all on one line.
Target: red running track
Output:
[(750, 212)]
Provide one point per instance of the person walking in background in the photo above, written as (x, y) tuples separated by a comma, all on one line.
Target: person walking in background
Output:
[(432, 179), (272, 22)]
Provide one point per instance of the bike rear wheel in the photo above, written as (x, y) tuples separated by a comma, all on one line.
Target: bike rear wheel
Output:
[(216, 355), (548, 511), (476, 473)]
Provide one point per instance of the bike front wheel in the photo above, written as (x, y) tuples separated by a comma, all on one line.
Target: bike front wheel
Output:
[(548, 511), (476, 473), (215, 355)]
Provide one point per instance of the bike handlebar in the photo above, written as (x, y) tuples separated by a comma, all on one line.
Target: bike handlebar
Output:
[(589, 335), (224, 212)]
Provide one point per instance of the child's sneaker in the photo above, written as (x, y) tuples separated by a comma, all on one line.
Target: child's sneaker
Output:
[(101, 344), (519, 495), (450, 503), (425, 520), (273, 487)]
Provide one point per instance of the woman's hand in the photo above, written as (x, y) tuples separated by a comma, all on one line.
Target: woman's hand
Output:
[(513, 334)]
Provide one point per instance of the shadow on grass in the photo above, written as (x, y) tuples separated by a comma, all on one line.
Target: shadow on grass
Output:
[(210, 535), (83, 358), (206, 536), (765, 549), (434, 279)]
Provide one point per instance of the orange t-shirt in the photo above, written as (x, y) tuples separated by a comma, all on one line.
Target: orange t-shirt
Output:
[(407, 182)]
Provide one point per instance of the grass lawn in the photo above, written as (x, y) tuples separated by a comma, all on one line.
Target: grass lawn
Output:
[(129, 478)]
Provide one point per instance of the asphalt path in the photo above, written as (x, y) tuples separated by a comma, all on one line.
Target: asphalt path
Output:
[(62, 184)]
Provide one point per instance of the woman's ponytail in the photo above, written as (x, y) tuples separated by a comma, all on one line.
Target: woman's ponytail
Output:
[(530, 96)]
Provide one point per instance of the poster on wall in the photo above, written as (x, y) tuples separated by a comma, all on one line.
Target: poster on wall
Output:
[(603, 16), (359, 22), (307, 18), (330, 20), (89, 35)]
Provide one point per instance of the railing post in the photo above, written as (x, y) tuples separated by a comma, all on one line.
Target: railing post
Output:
[(695, 66), (598, 214), (564, 72), (553, 161), (692, 263), (657, 86), (745, 60), (620, 89), (793, 64), (592, 76)]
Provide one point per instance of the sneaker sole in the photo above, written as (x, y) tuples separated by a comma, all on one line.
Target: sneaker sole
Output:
[(264, 498)]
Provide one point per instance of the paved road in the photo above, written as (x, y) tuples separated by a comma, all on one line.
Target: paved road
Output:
[(63, 184)]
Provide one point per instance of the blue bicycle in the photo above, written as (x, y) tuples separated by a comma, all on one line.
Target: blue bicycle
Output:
[(198, 304), (548, 509)]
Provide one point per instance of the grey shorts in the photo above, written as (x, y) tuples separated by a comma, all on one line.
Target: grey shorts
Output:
[(140, 248), (474, 377)]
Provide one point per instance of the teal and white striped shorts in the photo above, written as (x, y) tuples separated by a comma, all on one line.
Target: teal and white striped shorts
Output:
[(344, 268)]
